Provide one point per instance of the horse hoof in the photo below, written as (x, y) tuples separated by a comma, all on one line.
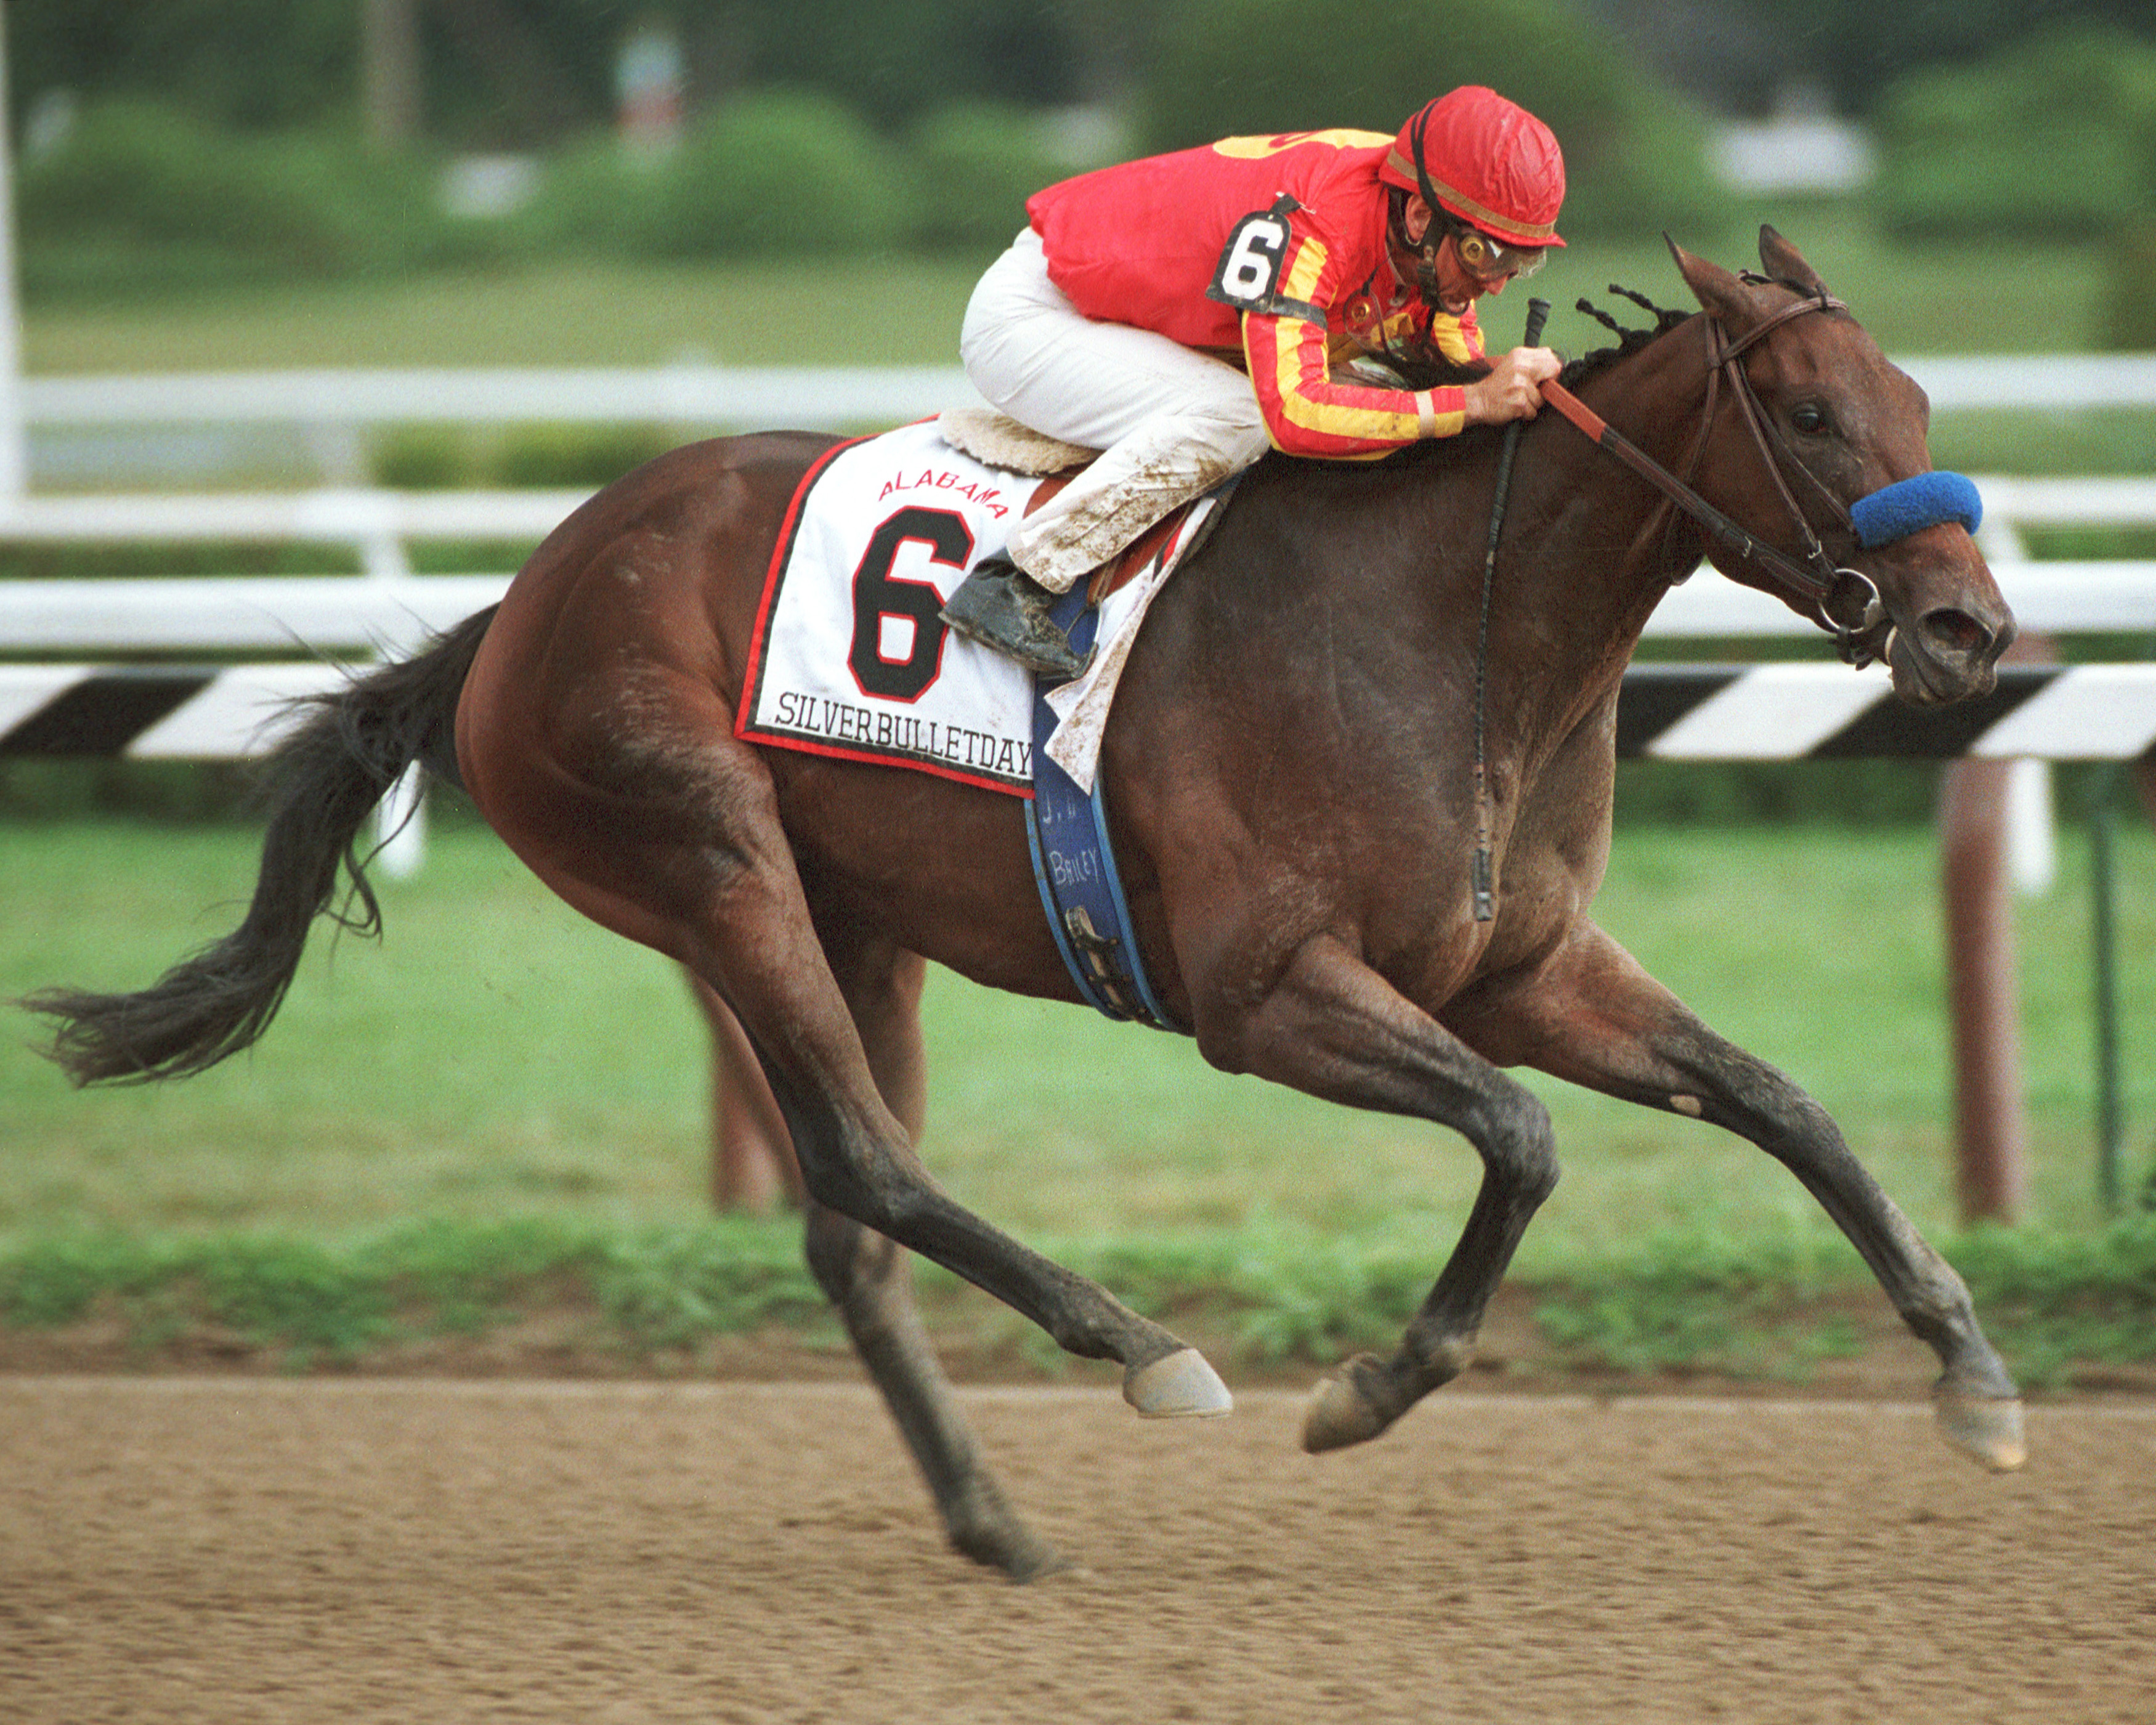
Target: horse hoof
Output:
[(1021, 1557), (1178, 1386), (980, 1526), (1987, 1427), (1341, 1411)]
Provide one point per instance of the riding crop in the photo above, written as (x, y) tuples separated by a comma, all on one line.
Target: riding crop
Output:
[(1479, 872)]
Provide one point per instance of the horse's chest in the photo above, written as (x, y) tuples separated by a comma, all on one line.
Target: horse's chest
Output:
[(1540, 889)]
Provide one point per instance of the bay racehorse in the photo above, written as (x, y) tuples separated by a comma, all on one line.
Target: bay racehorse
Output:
[(1291, 766)]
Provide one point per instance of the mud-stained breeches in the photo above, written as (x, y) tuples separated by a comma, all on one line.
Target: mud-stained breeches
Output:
[(1171, 423)]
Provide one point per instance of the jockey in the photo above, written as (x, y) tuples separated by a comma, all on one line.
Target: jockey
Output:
[(1185, 312)]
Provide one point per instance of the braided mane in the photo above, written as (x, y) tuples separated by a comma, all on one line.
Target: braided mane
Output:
[(1628, 341)]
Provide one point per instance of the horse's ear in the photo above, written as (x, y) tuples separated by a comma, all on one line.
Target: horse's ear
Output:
[(1784, 262), (1715, 288)]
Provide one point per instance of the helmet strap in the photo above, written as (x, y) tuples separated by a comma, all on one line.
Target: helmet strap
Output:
[(1420, 255), (1422, 176), (1441, 219)]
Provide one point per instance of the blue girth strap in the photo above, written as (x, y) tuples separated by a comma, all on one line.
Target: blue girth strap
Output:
[(1910, 506), (1074, 866)]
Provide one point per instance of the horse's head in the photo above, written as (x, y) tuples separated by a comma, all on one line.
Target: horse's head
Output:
[(1837, 423)]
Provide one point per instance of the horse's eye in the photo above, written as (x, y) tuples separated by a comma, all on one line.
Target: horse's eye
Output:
[(1808, 418)]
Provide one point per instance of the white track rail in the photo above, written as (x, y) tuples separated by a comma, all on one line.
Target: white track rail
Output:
[(748, 396)]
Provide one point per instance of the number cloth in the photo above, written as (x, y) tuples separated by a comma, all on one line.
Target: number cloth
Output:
[(849, 658)]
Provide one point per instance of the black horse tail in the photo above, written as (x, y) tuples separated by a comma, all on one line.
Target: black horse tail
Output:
[(321, 782)]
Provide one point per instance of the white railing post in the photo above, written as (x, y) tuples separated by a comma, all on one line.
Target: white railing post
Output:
[(2032, 843)]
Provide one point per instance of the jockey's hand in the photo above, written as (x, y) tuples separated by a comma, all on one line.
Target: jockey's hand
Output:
[(1512, 390)]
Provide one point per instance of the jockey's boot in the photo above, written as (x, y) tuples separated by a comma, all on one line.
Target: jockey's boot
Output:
[(1001, 606)]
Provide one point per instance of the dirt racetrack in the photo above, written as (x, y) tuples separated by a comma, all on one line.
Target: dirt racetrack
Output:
[(229, 1550)]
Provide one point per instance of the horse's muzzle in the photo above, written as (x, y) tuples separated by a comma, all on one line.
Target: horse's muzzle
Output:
[(1950, 653)]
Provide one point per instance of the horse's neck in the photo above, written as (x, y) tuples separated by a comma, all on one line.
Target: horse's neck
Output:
[(1611, 525), (1591, 549)]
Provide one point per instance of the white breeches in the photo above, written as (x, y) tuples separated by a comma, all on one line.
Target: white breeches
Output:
[(1171, 423)]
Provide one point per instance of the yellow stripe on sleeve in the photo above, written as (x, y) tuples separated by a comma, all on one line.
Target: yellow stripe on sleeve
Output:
[(1370, 424)]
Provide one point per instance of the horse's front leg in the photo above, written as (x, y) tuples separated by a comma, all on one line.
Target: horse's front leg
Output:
[(1332, 1027), (1592, 1016)]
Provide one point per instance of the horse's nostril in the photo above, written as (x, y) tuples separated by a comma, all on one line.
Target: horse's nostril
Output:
[(1947, 630)]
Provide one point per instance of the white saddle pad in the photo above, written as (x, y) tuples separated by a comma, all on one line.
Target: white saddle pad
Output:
[(850, 658)]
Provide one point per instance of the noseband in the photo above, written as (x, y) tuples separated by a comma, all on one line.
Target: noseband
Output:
[(1841, 600)]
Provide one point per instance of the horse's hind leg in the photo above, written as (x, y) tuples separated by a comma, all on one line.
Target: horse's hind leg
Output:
[(647, 815), (870, 1281), (867, 1279), (1592, 1016)]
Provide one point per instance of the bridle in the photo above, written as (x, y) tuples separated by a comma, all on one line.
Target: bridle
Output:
[(1842, 601)]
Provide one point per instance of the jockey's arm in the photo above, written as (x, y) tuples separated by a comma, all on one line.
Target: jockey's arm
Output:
[(1307, 413)]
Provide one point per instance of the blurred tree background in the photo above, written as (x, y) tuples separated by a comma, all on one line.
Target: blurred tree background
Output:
[(180, 140)]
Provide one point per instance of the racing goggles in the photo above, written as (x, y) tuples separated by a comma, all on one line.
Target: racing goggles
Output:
[(1488, 259)]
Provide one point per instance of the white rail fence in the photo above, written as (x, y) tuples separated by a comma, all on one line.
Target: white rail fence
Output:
[(193, 423), (389, 604), (381, 525), (314, 423), (748, 396)]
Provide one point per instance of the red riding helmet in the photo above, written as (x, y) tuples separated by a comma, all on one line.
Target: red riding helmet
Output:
[(1488, 162)]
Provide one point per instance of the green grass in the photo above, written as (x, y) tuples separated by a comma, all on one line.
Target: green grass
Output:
[(659, 1297), (499, 1057), (647, 1292), (503, 1110), (884, 311)]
